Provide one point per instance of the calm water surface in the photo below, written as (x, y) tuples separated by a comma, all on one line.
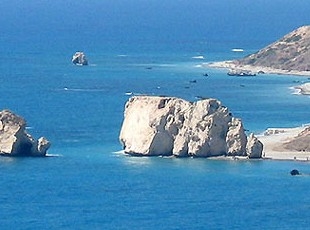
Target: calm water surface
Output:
[(143, 48)]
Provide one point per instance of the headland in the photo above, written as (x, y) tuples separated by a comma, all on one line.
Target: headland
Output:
[(290, 55)]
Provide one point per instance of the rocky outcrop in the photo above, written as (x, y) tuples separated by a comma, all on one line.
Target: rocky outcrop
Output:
[(15, 141), (291, 53), (254, 147), (79, 58), (303, 89), (295, 172), (172, 126), (235, 138)]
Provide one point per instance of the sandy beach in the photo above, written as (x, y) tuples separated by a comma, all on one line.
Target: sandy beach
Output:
[(273, 141), (255, 69)]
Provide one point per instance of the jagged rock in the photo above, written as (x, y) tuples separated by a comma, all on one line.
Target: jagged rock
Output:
[(79, 58), (40, 147), (203, 130), (172, 126), (254, 147), (15, 141), (236, 139)]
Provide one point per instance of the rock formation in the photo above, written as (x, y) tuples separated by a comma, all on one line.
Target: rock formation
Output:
[(291, 53), (15, 141), (254, 147), (79, 58), (295, 172), (172, 126), (303, 89)]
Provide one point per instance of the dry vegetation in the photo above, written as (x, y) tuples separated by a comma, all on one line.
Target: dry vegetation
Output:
[(292, 52)]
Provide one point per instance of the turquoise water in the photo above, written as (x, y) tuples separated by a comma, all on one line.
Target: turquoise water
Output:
[(144, 48)]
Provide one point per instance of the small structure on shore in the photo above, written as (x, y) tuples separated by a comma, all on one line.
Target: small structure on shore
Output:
[(240, 73), (79, 58)]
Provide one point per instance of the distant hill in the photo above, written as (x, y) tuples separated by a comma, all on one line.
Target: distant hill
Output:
[(291, 53)]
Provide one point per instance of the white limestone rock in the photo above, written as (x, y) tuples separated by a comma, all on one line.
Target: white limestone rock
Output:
[(236, 139), (15, 141), (150, 124), (79, 58), (254, 147), (40, 147), (172, 126), (205, 125)]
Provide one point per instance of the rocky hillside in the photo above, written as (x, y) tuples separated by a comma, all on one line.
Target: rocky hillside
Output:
[(300, 143), (291, 53)]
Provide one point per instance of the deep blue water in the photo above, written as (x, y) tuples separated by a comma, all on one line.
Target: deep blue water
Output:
[(87, 184)]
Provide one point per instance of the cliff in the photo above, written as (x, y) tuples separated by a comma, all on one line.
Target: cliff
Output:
[(172, 126), (15, 141), (290, 53)]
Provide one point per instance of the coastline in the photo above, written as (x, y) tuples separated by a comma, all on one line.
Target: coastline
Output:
[(255, 69), (303, 89), (274, 139)]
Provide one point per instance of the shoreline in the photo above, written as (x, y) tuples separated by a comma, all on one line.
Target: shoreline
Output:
[(255, 69), (303, 89), (273, 140)]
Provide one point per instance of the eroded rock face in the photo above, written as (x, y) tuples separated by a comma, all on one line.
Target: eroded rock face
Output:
[(236, 139), (79, 58), (254, 147), (15, 141), (173, 126)]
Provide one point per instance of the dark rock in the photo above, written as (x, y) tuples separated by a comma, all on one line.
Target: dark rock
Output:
[(295, 172)]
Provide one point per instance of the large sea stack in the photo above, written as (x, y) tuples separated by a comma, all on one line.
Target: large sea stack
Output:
[(290, 53), (15, 141), (155, 125)]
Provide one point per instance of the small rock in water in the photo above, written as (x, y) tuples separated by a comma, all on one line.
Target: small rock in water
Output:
[(295, 172), (79, 58)]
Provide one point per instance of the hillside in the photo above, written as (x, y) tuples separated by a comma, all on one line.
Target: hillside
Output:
[(290, 53)]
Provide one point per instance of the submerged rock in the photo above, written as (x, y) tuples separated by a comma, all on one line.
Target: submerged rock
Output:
[(15, 141), (172, 126), (79, 58)]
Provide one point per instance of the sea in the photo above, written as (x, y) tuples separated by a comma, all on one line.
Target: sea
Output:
[(147, 47)]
